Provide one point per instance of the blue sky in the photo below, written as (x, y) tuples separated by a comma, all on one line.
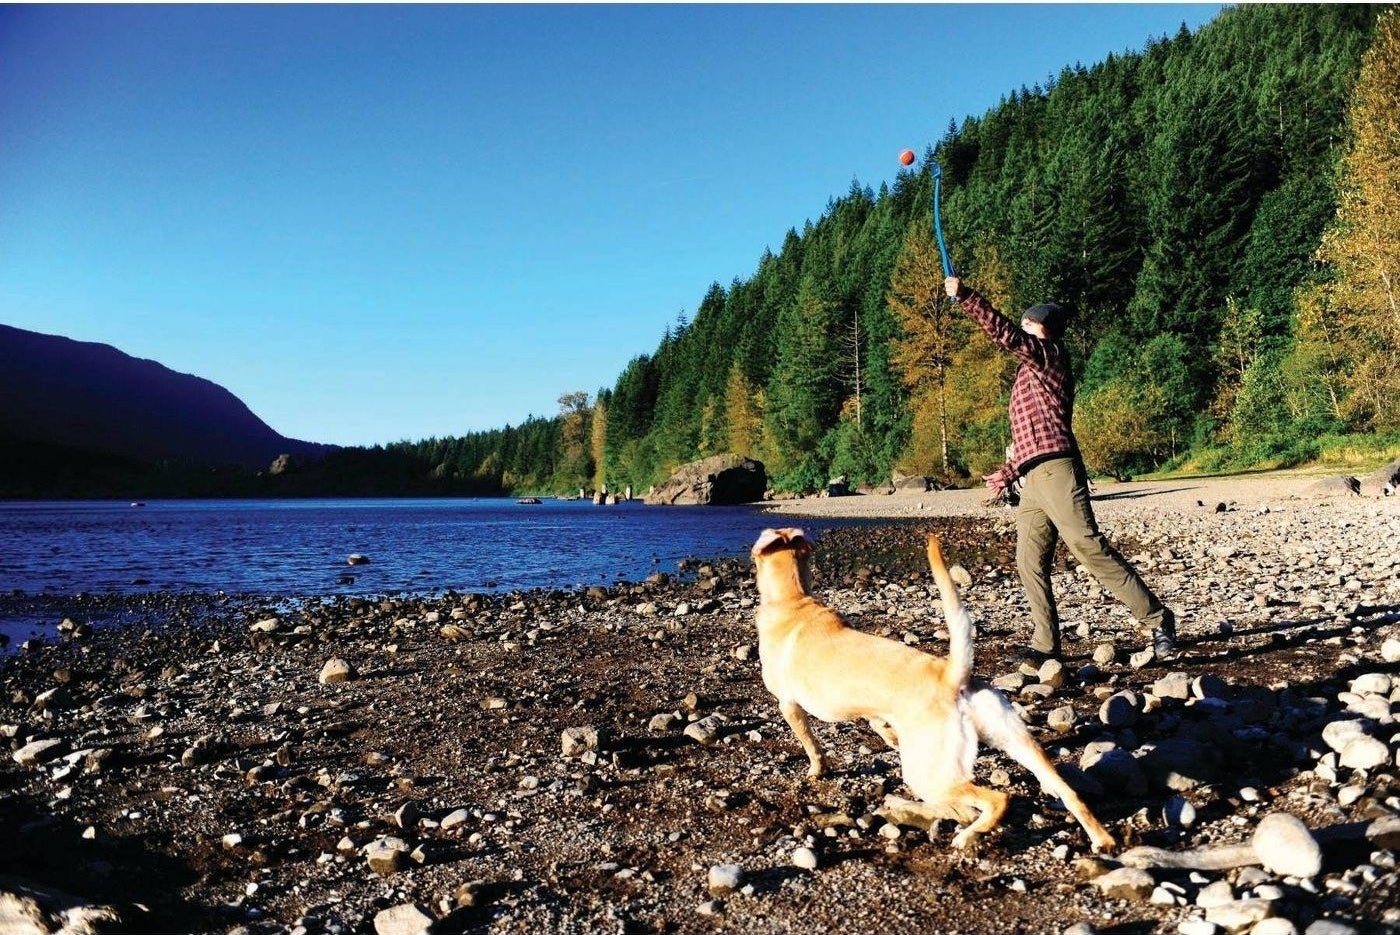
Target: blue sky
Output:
[(375, 223)]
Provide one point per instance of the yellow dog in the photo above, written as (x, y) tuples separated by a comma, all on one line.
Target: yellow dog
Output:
[(923, 706)]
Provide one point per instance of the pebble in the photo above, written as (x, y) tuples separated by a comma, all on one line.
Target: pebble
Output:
[(1126, 883), (705, 731), (576, 741), (1197, 927), (1161, 896), (663, 723), (1209, 686), (1115, 768), (1120, 710), (1179, 812), (1337, 734), (1174, 685), (406, 919), (1329, 927), (1061, 719), (805, 858), (1218, 893), (386, 855), (38, 751), (1347, 795), (336, 671), (1240, 915), (1374, 683), (1053, 673), (1364, 753), (1010, 682), (724, 879), (1274, 925), (1286, 846)]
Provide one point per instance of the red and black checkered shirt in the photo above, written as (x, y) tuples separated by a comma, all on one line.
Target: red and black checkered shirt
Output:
[(1042, 396)]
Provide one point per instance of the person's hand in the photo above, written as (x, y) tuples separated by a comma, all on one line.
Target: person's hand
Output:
[(993, 481), (952, 285)]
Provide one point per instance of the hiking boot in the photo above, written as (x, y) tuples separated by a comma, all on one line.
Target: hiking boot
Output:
[(1164, 637)]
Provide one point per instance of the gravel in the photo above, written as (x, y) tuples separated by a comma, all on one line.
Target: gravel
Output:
[(593, 761)]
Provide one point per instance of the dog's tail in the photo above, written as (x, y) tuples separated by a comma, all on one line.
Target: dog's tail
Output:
[(960, 625)]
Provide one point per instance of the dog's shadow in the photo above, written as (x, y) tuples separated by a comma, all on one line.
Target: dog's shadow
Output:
[(658, 749)]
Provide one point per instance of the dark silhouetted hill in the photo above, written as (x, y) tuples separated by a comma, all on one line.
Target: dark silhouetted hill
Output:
[(92, 400)]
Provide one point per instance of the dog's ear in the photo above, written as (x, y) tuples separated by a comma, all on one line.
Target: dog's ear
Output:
[(767, 540), (774, 540)]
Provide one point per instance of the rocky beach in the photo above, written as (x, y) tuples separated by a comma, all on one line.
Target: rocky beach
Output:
[(608, 760)]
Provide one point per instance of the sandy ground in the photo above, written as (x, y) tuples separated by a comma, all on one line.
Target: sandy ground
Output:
[(1244, 491)]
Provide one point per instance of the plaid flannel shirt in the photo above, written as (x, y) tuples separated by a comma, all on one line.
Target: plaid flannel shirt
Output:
[(1042, 395)]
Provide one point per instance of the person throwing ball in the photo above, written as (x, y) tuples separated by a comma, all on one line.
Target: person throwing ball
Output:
[(1054, 485)]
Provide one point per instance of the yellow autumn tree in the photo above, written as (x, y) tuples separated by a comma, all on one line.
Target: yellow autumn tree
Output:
[(571, 459), (743, 414), (1349, 326), (981, 372), (957, 378), (923, 353)]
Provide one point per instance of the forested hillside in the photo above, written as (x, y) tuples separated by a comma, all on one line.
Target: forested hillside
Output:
[(1219, 212), (1202, 209)]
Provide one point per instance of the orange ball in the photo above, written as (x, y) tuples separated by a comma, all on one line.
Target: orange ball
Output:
[(907, 157)]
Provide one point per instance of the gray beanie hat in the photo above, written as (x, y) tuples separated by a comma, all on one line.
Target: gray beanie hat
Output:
[(1050, 315)]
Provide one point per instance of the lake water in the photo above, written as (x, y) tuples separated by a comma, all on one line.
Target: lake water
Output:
[(300, 547)]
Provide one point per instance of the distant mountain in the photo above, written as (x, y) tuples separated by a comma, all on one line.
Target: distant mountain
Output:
[(57, 393)]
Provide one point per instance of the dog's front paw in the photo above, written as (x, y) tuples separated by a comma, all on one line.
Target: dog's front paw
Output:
[(1103, 844), (963, 838), (817, 769)]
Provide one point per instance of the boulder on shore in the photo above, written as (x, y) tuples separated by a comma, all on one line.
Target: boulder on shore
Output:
[(916, 482), (1339, 486), (716, 481), (1382, 482)]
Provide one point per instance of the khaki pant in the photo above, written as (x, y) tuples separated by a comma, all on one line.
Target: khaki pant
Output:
[(1055, 505)]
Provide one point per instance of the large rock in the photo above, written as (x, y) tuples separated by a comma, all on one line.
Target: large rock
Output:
[(1340, 486), (716, 481), (915, 482), (1383, 482)]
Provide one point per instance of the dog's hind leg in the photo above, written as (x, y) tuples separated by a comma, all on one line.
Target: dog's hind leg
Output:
[(885, 730), (999, 725), (937, 761), (797, 720), (990, 803)]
